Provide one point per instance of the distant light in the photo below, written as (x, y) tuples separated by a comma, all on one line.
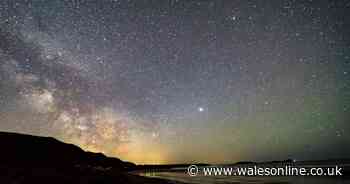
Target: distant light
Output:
[(200, 109), (154, 134)]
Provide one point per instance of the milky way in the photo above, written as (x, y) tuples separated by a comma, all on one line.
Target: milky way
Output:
[(179, 81)]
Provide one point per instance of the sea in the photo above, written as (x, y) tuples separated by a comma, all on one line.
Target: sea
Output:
[(182, 176)]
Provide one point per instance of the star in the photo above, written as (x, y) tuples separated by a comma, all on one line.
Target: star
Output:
[(200, 109)]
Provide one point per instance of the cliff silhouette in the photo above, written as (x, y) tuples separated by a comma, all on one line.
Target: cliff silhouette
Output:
[(34, 159)]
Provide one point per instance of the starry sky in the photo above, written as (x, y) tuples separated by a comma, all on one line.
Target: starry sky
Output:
[(163, 81)]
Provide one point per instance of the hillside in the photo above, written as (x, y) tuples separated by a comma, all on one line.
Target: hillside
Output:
[(33, 159)]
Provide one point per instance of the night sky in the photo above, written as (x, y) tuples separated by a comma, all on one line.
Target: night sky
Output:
[(179, 81)]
